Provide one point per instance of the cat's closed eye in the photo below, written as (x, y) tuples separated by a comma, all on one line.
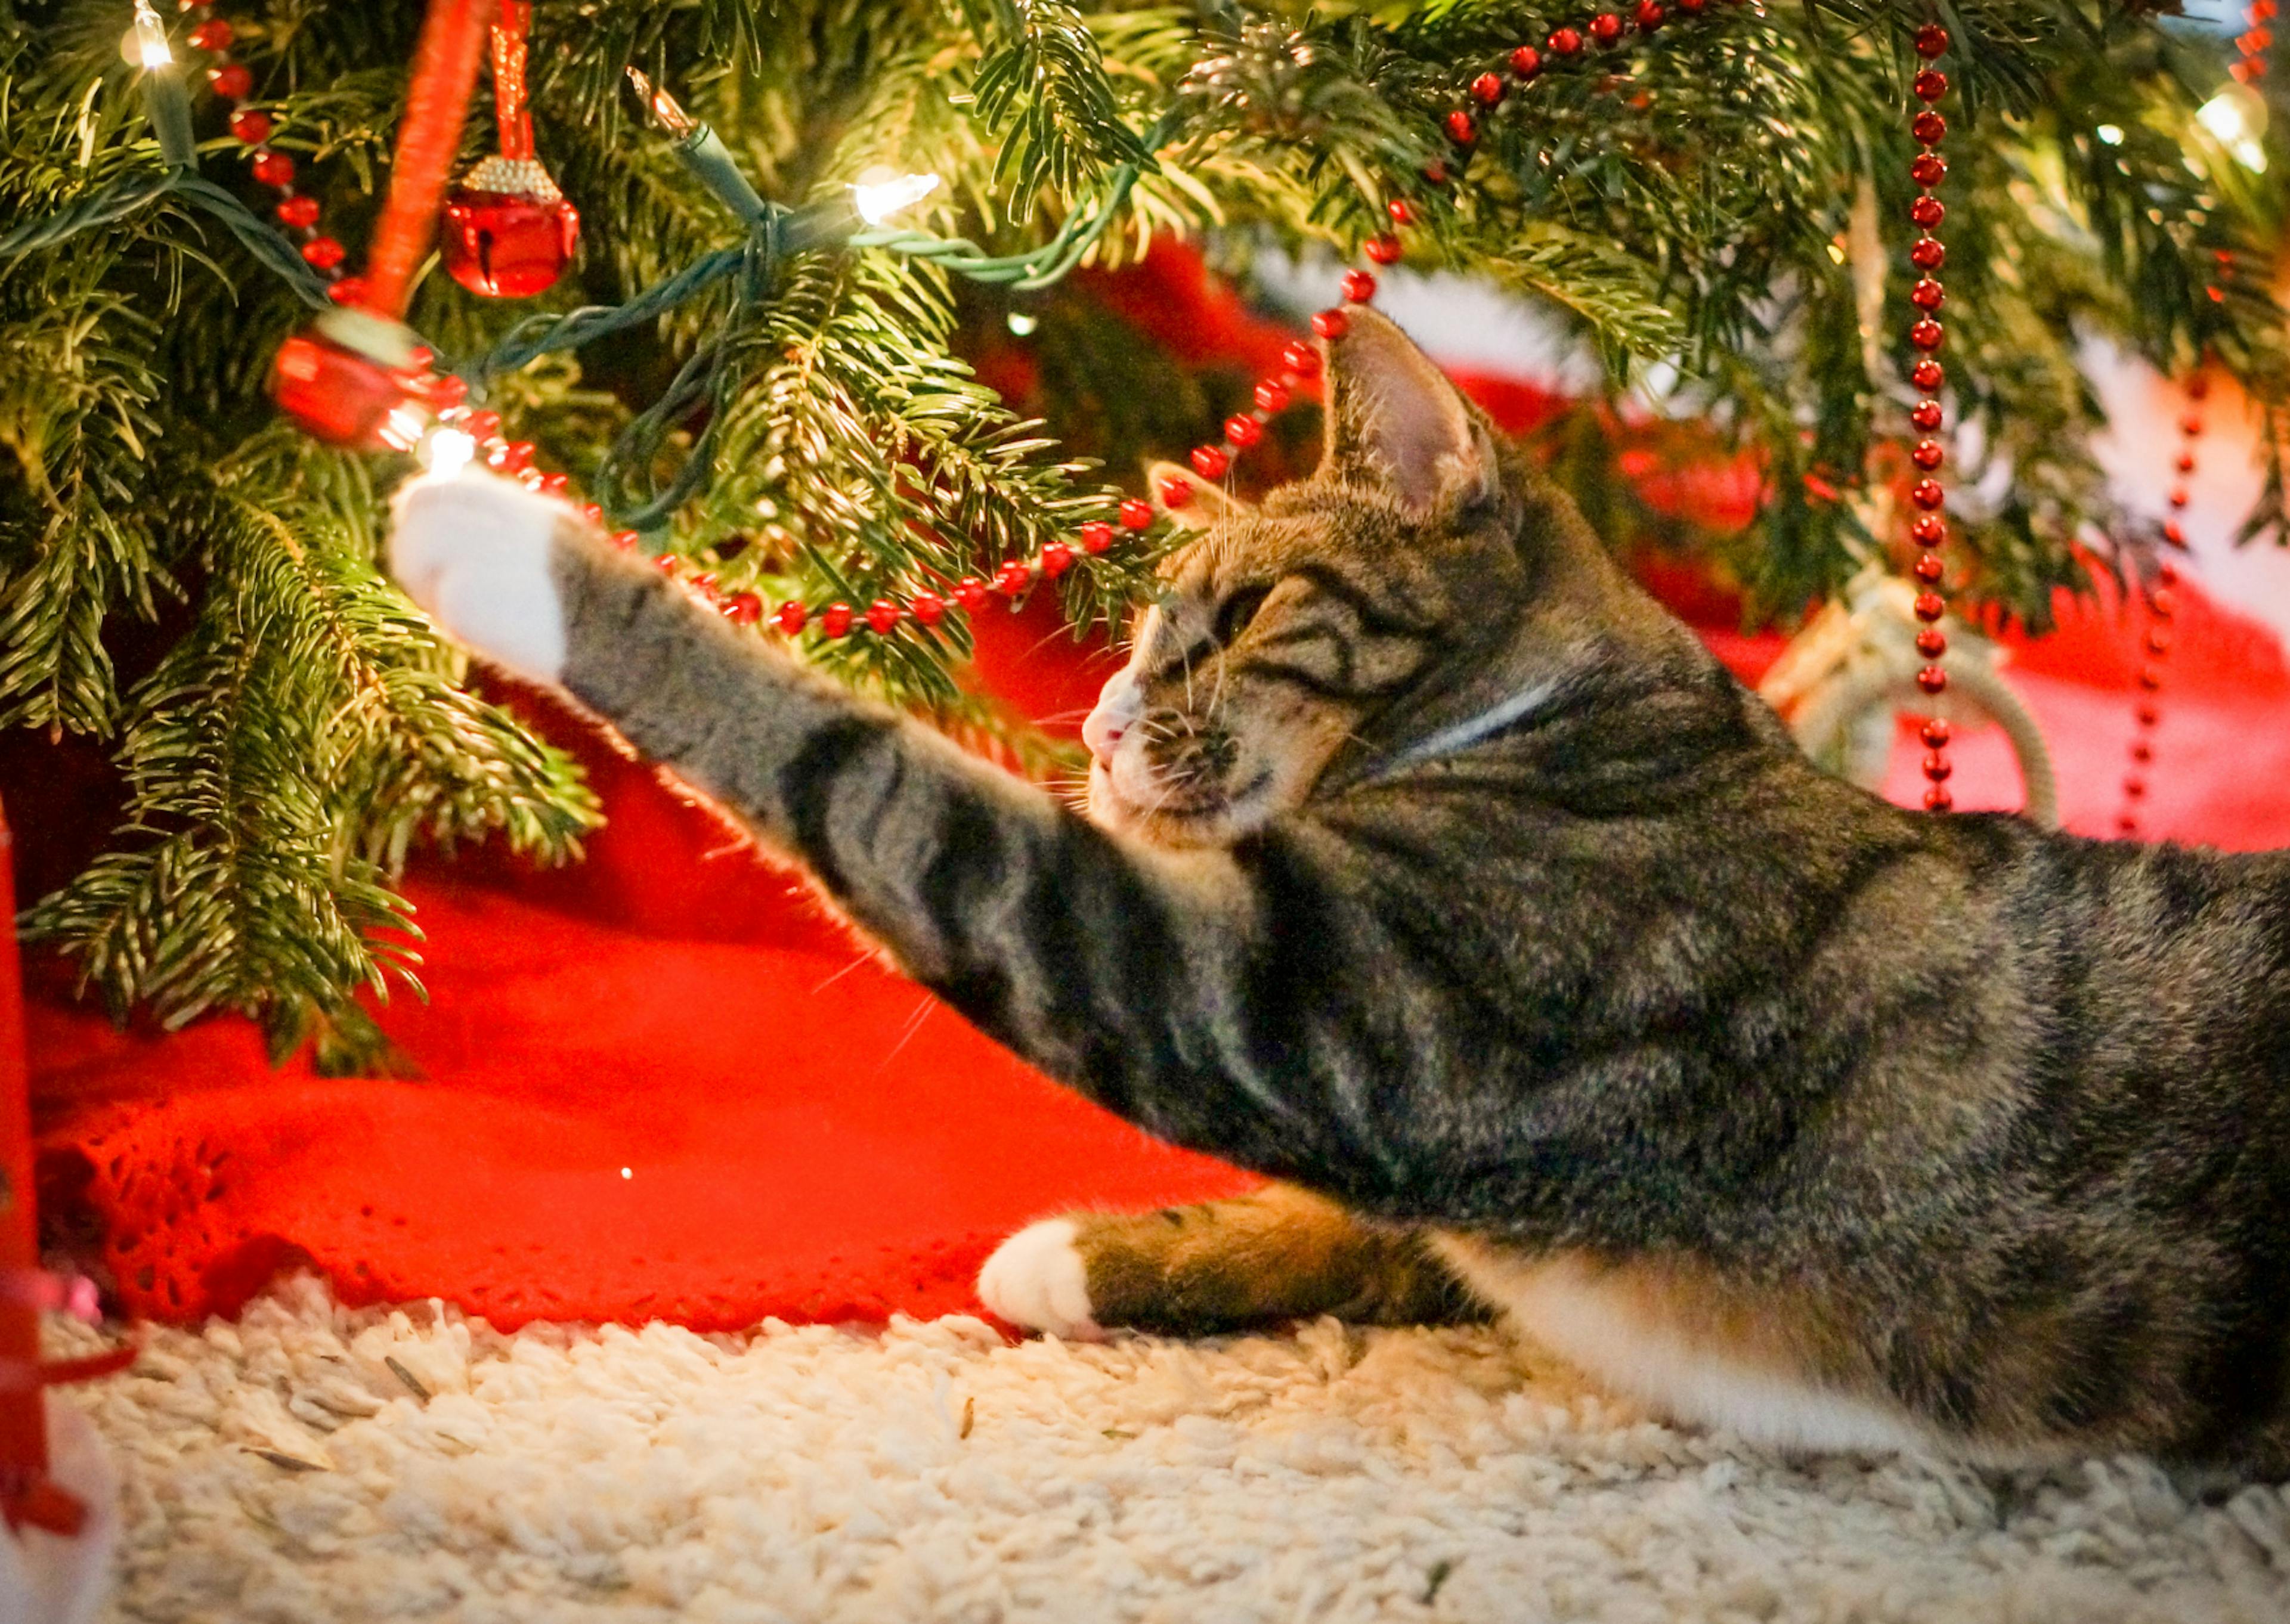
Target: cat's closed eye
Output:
[(1237, 610)]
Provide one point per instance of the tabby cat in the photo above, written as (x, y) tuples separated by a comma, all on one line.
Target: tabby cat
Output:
[(1435, 871)]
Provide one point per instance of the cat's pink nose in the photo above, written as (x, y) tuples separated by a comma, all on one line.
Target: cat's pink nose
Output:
[(1118, 706), (1100, 733)]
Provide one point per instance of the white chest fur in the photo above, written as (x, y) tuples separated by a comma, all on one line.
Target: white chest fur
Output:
[(1655, 1346)]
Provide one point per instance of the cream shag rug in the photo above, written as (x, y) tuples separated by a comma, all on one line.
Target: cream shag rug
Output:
[(285, 1467)]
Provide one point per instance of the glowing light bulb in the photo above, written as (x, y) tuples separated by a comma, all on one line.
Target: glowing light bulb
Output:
[(2238, 117), (446, 451), (146, 45), (628, 1173), (664, 107), (2112, 134), (1022, 323), (879, 195)]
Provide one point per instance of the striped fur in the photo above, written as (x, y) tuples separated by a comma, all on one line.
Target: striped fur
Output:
[(1790, 1109)]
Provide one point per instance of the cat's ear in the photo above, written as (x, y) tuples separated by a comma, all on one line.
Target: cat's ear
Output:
[(1204, 504), (1394, 421)]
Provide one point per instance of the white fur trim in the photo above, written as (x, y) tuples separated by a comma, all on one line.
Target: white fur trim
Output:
[(474, 551)]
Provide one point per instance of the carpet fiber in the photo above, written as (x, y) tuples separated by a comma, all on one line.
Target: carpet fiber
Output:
[(281, 1469)]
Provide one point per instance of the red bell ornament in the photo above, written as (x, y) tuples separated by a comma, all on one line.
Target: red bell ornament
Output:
[(510, 233), (344, 377)]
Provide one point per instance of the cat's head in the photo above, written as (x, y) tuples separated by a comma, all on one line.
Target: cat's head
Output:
[(1287, 632)]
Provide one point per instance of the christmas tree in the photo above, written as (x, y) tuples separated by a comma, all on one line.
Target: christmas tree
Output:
[(1738, 209)]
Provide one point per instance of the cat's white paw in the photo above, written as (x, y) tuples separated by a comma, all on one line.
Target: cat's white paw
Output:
[(1036, 1279), (474, 551)]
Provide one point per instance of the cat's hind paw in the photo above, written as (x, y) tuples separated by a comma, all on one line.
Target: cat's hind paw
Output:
[(477, 552), (1039, 1279)]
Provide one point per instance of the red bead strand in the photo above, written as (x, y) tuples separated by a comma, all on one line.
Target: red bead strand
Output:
[(1929, 529), (2250, 46), (252, 128), (1486, 92), (2162, 608)]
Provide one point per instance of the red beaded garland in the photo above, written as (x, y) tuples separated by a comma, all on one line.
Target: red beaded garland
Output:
[(1402, 212), (1096, 536), (1526, 61), (299, 211), (1564, 42), (1462, 128), (2251, 45), (1487, 89), (1057, 558), (212, 35), (1302, 359), (1331, 323), (836, 622), (1136, 514), (1175, 491), (1606, 27), (1929, 530), (882, 615), (1358, 286), (231, 80), (251, 126), (790, 617), (1210, 461), (1243, 431), (2162, 608), (1649, 15), (928, 608), (273, 168), (1271, 396), (1383, 250)]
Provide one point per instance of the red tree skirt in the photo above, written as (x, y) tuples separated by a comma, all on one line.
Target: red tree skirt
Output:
[(803, 1135)]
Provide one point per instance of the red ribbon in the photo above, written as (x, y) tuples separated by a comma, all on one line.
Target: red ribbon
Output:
[(512, 115), (445, 62)]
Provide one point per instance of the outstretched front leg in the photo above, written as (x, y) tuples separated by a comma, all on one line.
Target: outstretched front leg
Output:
[(1277, 1253), (1119, 968)]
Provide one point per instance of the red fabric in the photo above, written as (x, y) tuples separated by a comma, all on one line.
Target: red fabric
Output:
[(807, 1135)]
